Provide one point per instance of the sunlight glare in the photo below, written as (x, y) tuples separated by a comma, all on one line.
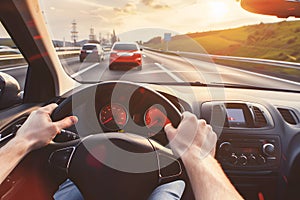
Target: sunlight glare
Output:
[(218, 9)]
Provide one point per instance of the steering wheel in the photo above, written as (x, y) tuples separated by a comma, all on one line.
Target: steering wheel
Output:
[(116, 165)]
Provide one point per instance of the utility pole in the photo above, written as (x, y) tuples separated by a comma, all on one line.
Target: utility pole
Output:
[(74, 32), (100, 38), (114, 37)]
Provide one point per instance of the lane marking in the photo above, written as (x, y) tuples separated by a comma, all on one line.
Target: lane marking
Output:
[(84, 70), (266, 76), (13, 68), (176, 78)]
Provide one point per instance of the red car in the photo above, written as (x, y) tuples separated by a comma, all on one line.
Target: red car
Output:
[(125, 55)]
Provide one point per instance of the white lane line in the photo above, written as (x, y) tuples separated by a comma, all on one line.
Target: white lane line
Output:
[(13, 68), (176, 78), (84, 70), (266, 76)]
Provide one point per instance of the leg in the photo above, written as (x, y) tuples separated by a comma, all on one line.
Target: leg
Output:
[(68, 191), (168, 191)]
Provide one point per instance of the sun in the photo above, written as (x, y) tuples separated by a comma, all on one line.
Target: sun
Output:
[(218, 9)]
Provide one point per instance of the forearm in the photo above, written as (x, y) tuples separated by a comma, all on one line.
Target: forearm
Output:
[(10, 156), (208, 179)]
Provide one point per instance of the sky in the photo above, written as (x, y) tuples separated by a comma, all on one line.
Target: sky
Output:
[(150, 17)]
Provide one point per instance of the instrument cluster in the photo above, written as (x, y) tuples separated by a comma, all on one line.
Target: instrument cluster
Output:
[(116, 117)]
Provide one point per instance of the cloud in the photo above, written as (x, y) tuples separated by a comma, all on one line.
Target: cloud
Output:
[(129, 8), (154, 4)]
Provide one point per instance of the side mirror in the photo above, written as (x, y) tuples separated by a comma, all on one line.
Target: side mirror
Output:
[(10, 92), (279, 8)]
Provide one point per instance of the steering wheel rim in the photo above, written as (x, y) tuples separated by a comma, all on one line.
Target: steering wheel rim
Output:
[(78, 153)]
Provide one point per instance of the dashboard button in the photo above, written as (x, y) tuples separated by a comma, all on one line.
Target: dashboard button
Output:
[(260, 159), (242, 160), (233, 159)]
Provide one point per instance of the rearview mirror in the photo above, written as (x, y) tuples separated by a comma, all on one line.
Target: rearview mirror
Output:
[(10, 93), (279, 8)]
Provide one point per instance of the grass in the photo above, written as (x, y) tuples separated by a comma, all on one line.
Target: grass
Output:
[(277, 41)]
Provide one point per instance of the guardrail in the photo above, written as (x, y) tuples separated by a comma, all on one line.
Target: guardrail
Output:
[(18, 59), (282, 69)]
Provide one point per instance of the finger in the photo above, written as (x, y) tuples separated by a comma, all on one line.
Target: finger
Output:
[(49, 108), (189, 116), (202, 122), (170, 131), (66, 122)]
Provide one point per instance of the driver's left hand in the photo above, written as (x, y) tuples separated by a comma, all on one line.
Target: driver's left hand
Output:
[(39, 130)]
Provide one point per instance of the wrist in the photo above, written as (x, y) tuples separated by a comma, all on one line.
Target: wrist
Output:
[(193, 156), (23, 142), (23, 145)]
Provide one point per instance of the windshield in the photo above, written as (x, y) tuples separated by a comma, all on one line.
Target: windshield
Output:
[(214, 41)]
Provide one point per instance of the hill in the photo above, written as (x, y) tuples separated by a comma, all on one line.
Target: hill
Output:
[(277, 41)]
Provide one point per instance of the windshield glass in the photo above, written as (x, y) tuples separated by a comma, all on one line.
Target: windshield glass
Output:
[(214, 41)]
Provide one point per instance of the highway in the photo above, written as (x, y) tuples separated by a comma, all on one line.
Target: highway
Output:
[(163, 68)]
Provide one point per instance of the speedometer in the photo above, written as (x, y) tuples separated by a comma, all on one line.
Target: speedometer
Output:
[(155, 117), (113, 117)]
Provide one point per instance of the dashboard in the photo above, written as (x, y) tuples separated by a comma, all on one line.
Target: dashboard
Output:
[(258, 130)]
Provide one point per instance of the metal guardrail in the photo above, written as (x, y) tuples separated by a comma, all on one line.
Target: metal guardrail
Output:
[(17, 59), (282, 69), (243, 59), (233, 58)]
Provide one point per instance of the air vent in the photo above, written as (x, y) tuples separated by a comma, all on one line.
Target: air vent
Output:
[(259, 118), (288, 115)]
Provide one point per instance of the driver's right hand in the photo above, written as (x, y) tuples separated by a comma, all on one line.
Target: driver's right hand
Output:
[(192, 136)]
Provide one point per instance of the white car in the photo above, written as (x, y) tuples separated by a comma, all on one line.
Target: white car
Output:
[(91, 51)]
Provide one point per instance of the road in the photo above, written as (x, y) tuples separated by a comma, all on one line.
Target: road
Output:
[(164, 68)]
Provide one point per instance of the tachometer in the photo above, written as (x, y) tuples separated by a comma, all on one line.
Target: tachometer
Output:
[(113, 117), (155, 118)]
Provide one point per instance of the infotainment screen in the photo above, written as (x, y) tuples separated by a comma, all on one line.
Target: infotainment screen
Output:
[(236, 117)]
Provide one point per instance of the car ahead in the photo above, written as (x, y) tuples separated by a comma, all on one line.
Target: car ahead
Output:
[(125, 55), (91, 51), (255, 114)]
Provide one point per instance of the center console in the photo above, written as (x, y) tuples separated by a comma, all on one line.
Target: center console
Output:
[(248, 150)]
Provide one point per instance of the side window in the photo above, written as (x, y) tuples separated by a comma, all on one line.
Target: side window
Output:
[(13, 68)]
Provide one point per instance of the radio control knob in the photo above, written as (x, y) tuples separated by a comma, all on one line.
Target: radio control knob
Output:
[(225, 146), (224, 149), (242, 160), (260, 159), (268, 149), (233, 159)]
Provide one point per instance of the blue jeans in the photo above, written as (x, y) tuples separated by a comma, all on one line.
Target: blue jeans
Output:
[(168, 191)]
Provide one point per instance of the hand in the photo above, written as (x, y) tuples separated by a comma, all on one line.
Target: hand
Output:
[(192, 136), (39, 130)]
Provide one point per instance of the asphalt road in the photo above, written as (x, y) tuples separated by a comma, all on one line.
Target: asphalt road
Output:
[(163, 68)]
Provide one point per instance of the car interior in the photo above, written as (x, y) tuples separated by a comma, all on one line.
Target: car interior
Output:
[(118, 149)]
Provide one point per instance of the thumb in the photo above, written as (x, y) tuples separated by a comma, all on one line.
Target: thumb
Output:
[(170, 131), (66, 122)]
